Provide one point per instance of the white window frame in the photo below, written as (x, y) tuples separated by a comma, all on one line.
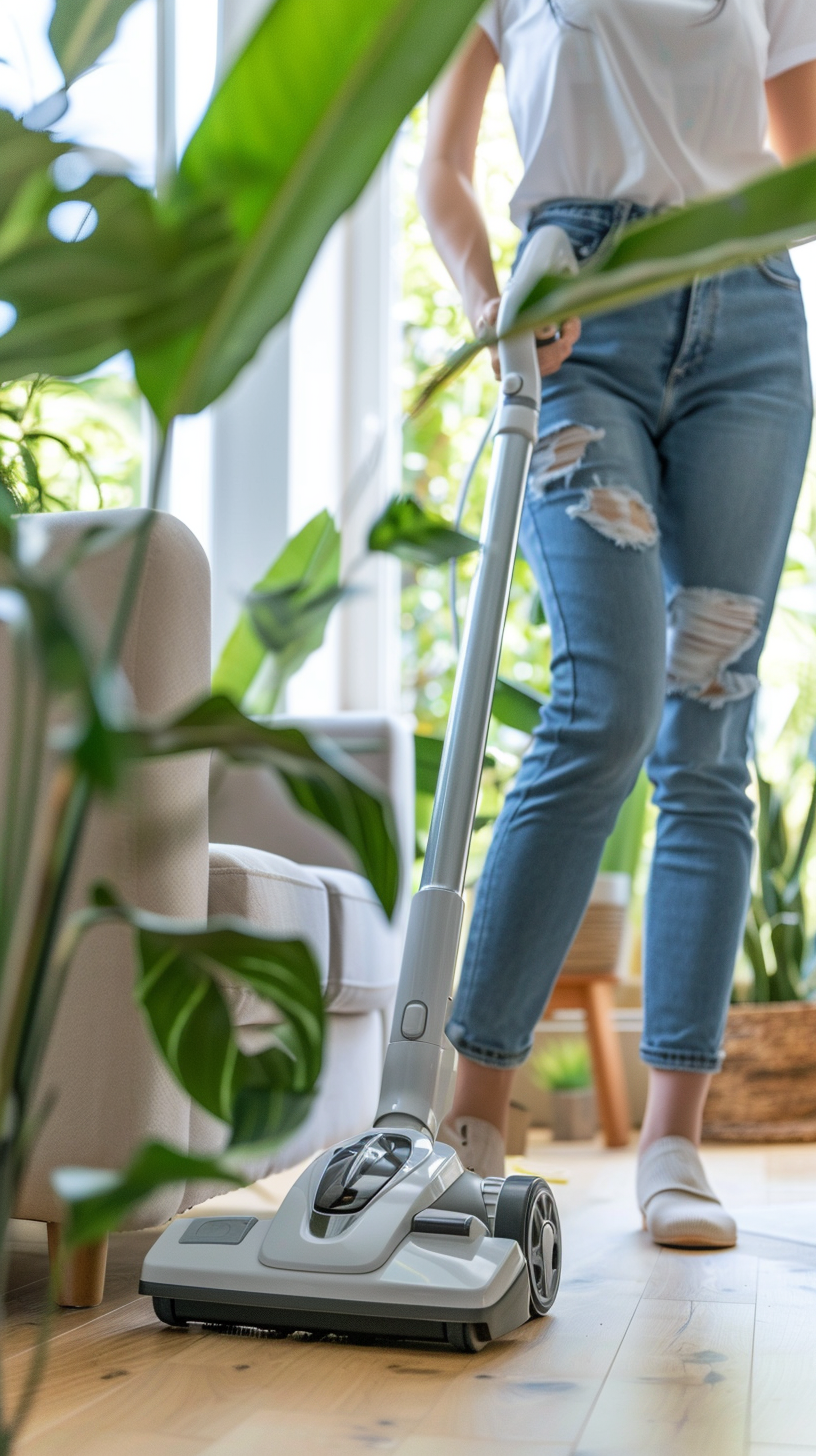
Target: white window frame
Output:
[(318, 403)]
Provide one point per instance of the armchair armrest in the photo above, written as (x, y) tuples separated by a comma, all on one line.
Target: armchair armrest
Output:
[(249, 806)]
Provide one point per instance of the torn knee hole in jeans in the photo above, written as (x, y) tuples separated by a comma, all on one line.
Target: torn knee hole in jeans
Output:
[(561, 452), (708, 630), (618, 513)]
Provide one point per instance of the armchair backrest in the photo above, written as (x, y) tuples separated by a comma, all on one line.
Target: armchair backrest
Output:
[(150, 841)]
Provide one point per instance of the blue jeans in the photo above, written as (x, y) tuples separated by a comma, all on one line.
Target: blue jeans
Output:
[(660, 499)]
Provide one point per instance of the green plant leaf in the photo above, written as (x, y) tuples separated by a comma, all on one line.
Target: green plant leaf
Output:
[(98, 1199), (428, 761), (673, 247), (286, 146), (287, 611), (407, 530), (663, 252), (324, 782), (291, 625), (752, 945), (81, 30), (622, 850), (804, 841), (144, 275), (564, 1066), (516, 707), (8, 510), (788, 940), (182, 972)]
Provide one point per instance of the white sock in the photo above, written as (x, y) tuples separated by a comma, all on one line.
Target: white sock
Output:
[(478, 1143)]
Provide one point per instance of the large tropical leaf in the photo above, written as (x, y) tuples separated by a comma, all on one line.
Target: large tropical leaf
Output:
[(182, 971), (422, 537), (287, 144), (324, 782), (666, 251), (673, 247), (81, 30), (287, 611), (142, 275), (25, 157)]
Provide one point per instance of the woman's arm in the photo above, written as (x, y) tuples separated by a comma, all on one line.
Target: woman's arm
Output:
[(446, 194), (447, 198), (792, 112)]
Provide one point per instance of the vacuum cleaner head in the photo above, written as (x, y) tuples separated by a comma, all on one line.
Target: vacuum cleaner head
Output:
[(383, 1236)]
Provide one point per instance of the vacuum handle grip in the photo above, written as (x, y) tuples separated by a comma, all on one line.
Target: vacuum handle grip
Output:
[(548, 251)]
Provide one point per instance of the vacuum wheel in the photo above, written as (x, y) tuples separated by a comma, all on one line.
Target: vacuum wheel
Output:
[(466, 1338), (165, 1310), (526, 1211)]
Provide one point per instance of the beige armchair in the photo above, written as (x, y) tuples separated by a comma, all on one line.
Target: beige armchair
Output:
[(266, 862)]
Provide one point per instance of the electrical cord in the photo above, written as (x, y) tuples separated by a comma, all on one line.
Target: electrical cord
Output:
[(461, 502)]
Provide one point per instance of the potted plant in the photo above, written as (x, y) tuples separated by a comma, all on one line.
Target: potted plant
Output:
[(566, 1069), (766, 1091)]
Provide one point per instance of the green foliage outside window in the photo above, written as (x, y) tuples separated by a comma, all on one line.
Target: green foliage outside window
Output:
[(70, 445)]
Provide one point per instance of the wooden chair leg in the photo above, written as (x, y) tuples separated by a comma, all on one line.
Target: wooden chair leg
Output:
[(607, 1061), (83, 1278)]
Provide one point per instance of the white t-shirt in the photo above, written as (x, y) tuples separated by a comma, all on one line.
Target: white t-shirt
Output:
[(659, 101)]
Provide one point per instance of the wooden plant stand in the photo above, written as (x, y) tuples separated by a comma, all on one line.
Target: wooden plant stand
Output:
[(595, 996)]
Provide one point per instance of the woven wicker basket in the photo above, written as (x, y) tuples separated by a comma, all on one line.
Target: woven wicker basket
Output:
[(766, 1091), (596, 948)]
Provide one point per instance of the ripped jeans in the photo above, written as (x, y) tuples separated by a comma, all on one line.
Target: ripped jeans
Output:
[(661, 495)]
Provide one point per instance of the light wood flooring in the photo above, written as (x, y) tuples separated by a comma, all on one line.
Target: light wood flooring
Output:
[(647, 1351)]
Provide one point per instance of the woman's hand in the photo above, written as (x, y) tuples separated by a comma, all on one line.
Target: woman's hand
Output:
[(554, 345)]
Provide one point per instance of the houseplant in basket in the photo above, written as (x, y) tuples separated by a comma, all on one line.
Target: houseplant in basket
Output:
[(566, 1069), (766, 1091)]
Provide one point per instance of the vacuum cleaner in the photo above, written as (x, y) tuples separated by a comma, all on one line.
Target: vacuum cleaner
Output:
[(387, 1235)]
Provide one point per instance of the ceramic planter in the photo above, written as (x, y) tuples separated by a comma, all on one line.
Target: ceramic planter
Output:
[(766, 1091), (574, 1114)]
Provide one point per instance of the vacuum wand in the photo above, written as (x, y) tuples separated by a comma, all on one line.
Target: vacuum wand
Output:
[(419, 1061)]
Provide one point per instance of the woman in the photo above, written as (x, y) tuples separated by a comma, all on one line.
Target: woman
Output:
[(672, 444)]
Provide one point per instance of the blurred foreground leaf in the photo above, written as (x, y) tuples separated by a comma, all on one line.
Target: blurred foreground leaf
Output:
[(98, 1199), (656, 254), (323, 781)]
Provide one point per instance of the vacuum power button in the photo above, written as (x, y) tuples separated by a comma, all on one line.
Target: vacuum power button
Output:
[(414, 1020)]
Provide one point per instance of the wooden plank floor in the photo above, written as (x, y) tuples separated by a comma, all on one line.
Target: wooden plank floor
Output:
[(647, 1351)]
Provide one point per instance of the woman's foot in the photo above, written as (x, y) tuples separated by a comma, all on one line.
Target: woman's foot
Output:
[(679, 1207), (479, 1144)]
